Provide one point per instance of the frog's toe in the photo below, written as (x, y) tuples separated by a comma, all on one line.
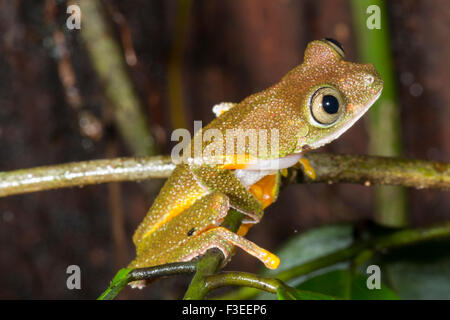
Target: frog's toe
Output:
[(307, 168), (139, 284)]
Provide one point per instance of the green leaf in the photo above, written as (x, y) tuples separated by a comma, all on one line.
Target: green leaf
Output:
[(419, 272), (312, 244), (308, 246), (120, 280), (289, 293), (343, 284)]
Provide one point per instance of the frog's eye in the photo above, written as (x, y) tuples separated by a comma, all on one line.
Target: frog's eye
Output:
[(326, 106), (336, 45)]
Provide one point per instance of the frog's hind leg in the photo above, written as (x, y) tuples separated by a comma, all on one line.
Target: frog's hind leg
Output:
[(194, 231), (220, 235)]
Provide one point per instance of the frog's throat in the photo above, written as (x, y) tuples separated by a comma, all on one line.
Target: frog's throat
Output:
[(273, 164), (336, 134)]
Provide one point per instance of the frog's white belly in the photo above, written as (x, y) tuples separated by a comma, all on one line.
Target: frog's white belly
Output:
[(258, 169)]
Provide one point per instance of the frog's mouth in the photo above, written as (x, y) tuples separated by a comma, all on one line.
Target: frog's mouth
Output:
[(336, 134)]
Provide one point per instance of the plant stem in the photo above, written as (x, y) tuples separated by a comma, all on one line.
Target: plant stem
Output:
[(384, 122), (178, 115), (369, 170), (109, 63), (330, 168), (242, 279), (163, 270), (375, 245), (83, 173), (209, 263), (125, 276)]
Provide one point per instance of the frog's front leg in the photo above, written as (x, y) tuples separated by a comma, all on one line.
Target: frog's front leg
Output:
[(215, 179)]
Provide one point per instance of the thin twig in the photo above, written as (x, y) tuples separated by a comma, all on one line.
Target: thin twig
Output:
[(242, 279), (384, 121), (330, 168), (83, 173), (163, 270), (271, 285), (211, 261), (125, 276), (109, 64), (372, 170)]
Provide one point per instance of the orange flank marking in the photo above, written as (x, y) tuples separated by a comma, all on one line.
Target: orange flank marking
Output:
[(176, 211), (232, 166), (263, 190), (236, 161)]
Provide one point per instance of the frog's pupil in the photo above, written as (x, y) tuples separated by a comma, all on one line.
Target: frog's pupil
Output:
[(330, 104)]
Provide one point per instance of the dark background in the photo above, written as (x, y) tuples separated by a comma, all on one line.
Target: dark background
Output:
[(233, 49)]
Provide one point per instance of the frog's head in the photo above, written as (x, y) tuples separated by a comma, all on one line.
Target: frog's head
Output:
[(334, 93)]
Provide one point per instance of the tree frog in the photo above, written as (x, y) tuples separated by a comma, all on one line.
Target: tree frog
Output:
[(312, 105)]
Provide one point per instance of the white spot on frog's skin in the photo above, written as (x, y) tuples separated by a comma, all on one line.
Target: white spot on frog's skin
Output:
[(368, 79), (220, 108)]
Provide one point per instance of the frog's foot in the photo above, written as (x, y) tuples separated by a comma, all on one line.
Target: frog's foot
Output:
[(212, 238), (307, 168), (139, 284)]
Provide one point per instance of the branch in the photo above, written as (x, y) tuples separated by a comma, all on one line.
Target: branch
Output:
[(369, 247), (163, 270), (211, 262), (109, 64), (83, 173), (330, 168), (271, 285), (368, 170), (124, 276), (242, 279), (384, 123)]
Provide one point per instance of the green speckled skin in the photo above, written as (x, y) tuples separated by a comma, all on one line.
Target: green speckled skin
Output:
[(181, 223), (167, 244)]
